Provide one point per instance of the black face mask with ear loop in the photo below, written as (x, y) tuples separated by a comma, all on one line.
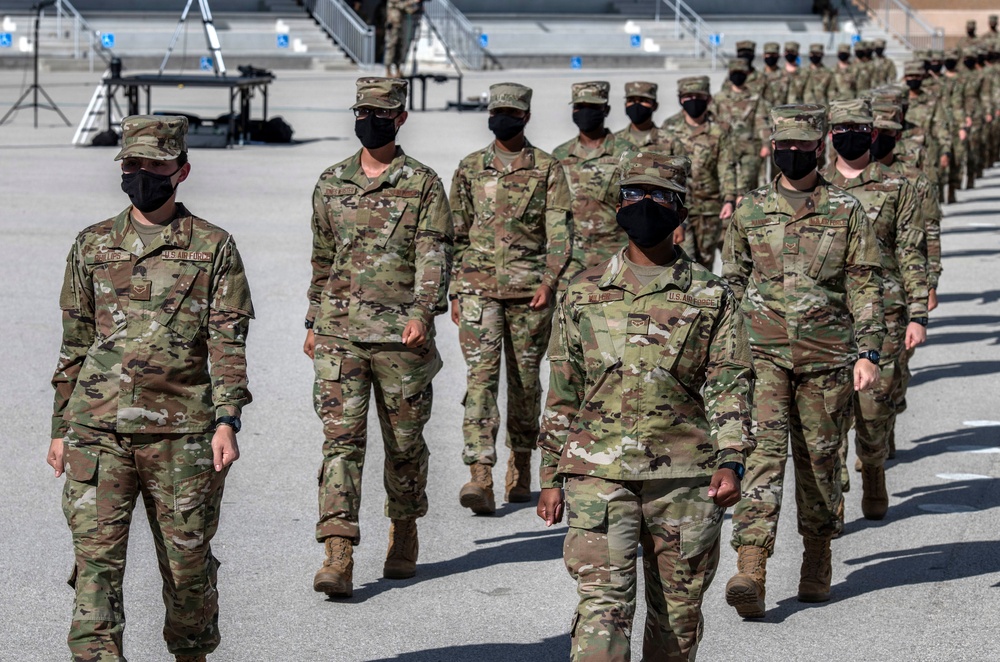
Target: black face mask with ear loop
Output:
[(737, 78), (648, 223), (148, 191), (638, 113), (843, 57), (695, 107), (588, 119), (852, 144), (505, 127), (771, 60), (816, 59), (794, 164), (882, 146), (375, 132)]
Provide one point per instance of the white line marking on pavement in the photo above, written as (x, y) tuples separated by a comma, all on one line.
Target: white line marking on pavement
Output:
[(981, 225), (974, 449), (980, 424), (962, 477), (946, 508)]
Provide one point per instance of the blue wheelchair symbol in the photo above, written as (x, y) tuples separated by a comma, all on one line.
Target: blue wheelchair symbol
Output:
[(108, 40), (855, 38), (635, 40), (282, 41), (6, 40), (715, 39), (484, 40), (206, 63), (576, 62)]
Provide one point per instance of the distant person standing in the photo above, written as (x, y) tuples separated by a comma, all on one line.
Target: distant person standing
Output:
[(401, 19), (640, 104)]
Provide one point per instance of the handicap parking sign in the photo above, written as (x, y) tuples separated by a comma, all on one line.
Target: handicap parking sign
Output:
[(576, 62), (282, 40), (108, 40), (206, 63), (715, 39), (484, 40), (635, 40), (6, 40), (855, 38)]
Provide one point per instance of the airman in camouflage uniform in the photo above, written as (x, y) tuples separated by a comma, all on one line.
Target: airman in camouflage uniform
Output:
[(149, 388), (959, 93), (590, 160), (776, 90), (892, 205), (864, 70), (401, 20), (382, 237), (756, 80), (796, 79), (697, 134), (640, 104), (970, 39), (646, 427), (747, 114), (934, 120), (844, 85), (885, 68), (820, 78), (802, 257), (513, 231)]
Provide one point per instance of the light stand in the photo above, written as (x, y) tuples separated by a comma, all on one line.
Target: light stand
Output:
[(35, 88)]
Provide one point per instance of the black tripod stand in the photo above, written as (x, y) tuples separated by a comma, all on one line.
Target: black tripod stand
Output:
[(35, 88)]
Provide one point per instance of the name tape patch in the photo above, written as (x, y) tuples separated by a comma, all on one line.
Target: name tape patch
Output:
[(191, 256), (691, 300), (610, 295), (112, 256), (829, 222)]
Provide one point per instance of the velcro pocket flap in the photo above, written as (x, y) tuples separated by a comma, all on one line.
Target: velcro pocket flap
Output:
[(700, 534), (327, 367), (80, 463), (585, 508), (472, 308)]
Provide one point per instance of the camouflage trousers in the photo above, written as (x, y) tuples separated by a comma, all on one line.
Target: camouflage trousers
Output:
[(346, 374), (960, 155), (399, 28), (678, 526), (488, 325), (875, 415), (703, 237), (814, 410), (105, 474)]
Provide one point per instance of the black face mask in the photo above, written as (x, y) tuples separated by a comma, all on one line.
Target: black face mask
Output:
[(791, 58), (771, 60), (746, 55), (794, 164), (914, 84), (971, 33), (981, 59), (880, 52), (695, 107), (852, 144), (950, 64), (505, 127), (882, 146), (147, 190), (970, 62), (843, 57), (588, 119), (375, 132), (638, 113), (816, 59), (936, 68), (927, 65), (648, 223), (737, 78)]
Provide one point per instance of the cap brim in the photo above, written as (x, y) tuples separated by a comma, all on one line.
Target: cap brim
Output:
[(851, 119), (376, 103), (886, 124), (796, 134), (508, 104), (141, 151), (589, 99), (654, 181)]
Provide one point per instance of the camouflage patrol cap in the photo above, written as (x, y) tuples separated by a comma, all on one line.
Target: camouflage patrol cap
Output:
[(914, 68), (694, 85), (388, 93), (844, 48), (772, 48), (739, 64), (889, 93), (852, 111), (804, 121), (640, 88), (160, 137), (792, 47), (746, 45), (816, 49), (879, 43), (595, 91), (861, 45), (970, 24), (953, 54), (642, 166), (937, 54), (510, 95), (887, 115), (922, 54)]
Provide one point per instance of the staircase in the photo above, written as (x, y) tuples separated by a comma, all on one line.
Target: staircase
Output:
[(900, 19)]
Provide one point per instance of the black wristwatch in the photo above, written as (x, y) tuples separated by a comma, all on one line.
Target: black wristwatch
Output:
[(922, 321), (736, 467), (231, 421), (309, 324), (872, 355)]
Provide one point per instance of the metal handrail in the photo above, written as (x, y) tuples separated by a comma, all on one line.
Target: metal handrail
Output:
[(353, 35), (80, 24), (900, 20), (454, 29), (693, 24)]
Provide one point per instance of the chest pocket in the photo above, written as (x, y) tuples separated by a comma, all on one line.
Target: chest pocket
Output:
[(111, 279), (830, 235), (524, 194), (765, 236), (184, 308), (399, 225), (606, 333), (677, 328)]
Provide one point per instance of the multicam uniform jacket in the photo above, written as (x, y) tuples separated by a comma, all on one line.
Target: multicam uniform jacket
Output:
[(381, 250), (808, 282), (154, 337), (929, 211), (748, 115), (512, 225), (628, 369)]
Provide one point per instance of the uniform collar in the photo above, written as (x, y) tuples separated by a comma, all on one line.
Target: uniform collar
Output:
[(525, 160), (872, 173), (775, 203), (176, 233), (676, 277), (354, 173), (607, 148)]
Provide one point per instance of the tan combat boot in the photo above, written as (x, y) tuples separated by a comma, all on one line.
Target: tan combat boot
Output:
[(874, 497), (401, 561), (814, 578), (477, 494), (336, 576), (518, 488), (745, 591)]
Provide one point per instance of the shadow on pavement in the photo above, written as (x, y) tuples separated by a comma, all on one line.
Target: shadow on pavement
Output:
[(971, 229), (964, 320), (972, 252), (523, 547), (953, 371), (936, 444), (990, 296), (960, 337), (552, 648)]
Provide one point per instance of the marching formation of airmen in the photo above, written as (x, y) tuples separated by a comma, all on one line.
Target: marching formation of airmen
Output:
[(674, 392)]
